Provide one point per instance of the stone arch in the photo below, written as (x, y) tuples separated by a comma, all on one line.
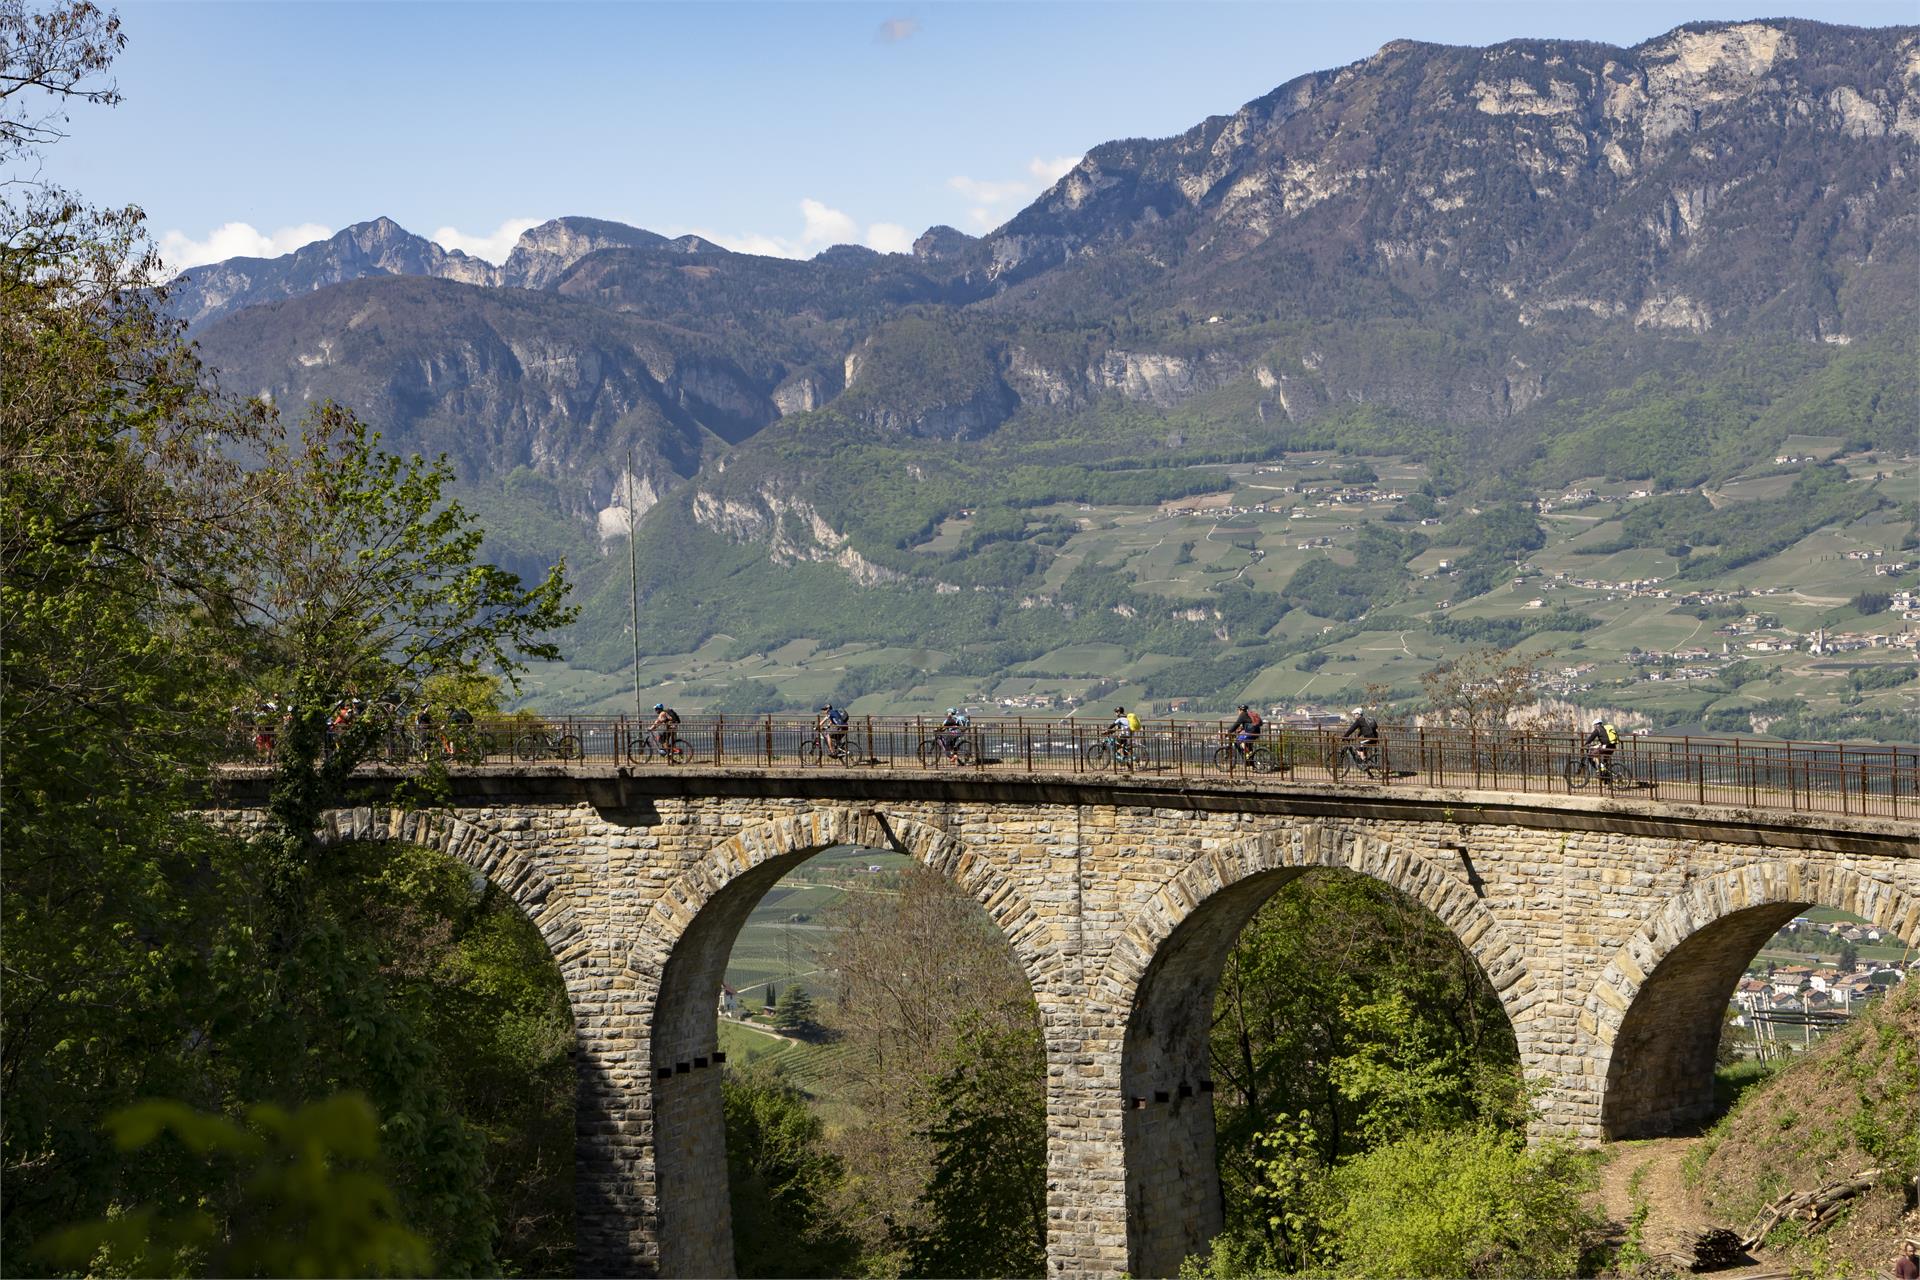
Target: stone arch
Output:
[(509, 868), (1164, 973), (688, 934), (612, 1231), (1656, 1011)]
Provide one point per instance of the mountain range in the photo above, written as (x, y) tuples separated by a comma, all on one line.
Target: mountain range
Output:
[(1490, 259)]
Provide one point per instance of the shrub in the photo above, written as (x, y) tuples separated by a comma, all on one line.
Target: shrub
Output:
[(1467, 1202)]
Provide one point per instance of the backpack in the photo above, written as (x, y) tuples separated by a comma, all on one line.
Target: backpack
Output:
[(837, 716), (1253, 718), (1613, 736), (1133, 723), (963, 719), (673, 717)]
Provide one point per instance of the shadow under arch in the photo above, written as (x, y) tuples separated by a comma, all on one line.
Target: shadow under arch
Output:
[(608, 1204), (1658, 1008), (692, 931), (1166, 975)]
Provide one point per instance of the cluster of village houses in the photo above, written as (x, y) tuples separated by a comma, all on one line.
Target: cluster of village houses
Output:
[(1801, 988)]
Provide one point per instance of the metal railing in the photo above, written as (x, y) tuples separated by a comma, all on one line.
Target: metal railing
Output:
[(1862, 780)]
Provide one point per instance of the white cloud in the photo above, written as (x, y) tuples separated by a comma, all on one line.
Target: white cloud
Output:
[(889, 237), (236, 240), (492, 248), (826, 225), (894, 30), (991, 202), (821, 226)]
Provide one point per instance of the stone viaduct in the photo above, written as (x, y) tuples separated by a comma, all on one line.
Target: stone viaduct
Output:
[(1613, 931)]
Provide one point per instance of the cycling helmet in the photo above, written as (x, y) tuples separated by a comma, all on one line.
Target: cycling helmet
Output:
[(826, 706), (1358, 711), (952, 712), (1600, 722), (659, 706), (1245, 707)]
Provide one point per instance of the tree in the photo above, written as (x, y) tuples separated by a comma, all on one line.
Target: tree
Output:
[(1849, 956), (1484, 689), (986, 1199), (912, 968), (796, 1014), (60, 53), (367, 583), (783, 1180)]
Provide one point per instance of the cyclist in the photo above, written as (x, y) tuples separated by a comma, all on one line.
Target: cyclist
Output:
[(1601, 743), (1367, 730), (423, 733), (266, 724), (1125, 725), (833, 723), (1246, 727), (666, 722), (459, 731), (951, 730)]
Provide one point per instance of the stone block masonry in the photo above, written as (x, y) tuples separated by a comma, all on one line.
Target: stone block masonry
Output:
[(1612, 931)]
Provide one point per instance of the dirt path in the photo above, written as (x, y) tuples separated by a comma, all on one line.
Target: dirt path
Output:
[(1651, 1173)]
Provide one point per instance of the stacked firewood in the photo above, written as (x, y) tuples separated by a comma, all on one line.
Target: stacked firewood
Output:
[(1816, 1208)]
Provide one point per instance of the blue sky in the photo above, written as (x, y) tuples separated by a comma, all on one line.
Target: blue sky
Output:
[(254, 127)]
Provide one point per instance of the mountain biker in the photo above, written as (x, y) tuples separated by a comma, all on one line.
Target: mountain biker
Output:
[(1125, 725), (1601, 743), (1246, 727), (1367, 730), (666, 721), (458, 731), (833, 723), (950, 732)]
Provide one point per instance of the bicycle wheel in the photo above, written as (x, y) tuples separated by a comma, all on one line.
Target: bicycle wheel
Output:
[(1620, 774), (1337, 761), (1099, 756), (963, 751), (1223, 759), (1264, 760), (567, 747), (810, 751), (1576, 772), (1378, 767), (530, 746), (931, 753), (679, 753), (639, 749)]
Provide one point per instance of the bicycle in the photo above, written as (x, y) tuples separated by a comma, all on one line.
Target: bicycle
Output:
[(1253, 756), (1112, 752), (936, 749), (542, 743), (825, 746), (1369, 759), (645, 747), (1589, 767)]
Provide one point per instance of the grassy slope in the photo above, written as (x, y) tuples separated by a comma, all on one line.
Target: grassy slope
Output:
[(1851, 1104)]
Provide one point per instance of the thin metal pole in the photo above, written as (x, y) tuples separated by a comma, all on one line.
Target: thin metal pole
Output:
[(633, 580)]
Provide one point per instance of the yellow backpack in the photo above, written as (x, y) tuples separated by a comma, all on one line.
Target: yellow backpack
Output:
[(1133, 722)]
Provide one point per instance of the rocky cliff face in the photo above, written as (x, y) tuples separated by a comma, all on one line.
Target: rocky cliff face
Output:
[(1557, 176), (1465, 237), (383, 247)]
